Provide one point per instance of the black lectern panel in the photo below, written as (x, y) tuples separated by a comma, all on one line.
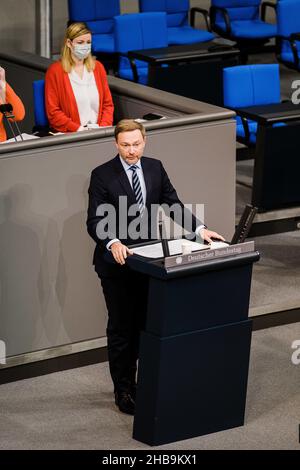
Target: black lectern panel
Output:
[(194, 354), (189, 304), (204, 390)]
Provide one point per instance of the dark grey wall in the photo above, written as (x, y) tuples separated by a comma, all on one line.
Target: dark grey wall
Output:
[(49, 293)]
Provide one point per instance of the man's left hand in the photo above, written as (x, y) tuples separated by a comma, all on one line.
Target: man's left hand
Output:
[(207, 236)]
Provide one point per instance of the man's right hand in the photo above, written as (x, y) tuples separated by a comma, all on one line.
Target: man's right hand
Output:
[(120, 252)]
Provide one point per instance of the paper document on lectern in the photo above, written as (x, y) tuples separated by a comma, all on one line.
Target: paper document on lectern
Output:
[(25, 137), (175, 248)]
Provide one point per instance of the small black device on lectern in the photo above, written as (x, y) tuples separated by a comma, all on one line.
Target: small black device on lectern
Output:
[(244, 225)]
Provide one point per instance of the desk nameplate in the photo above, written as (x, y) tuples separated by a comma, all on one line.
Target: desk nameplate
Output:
[(209, 255)]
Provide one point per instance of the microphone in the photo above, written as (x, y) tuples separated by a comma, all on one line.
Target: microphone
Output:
[(7, 110), (164, 241)]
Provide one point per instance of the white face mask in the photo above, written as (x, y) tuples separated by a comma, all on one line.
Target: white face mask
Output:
[(82, 51)]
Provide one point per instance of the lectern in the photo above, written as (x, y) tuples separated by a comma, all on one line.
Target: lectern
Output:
[(194, 352)]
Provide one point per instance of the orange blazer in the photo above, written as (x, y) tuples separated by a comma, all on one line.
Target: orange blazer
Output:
[(61, 106), (18, 110)]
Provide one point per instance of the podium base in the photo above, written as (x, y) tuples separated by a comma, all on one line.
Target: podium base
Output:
[(192, 384)]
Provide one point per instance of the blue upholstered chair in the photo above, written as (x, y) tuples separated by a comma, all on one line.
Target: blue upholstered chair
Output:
[(240, 20), (40, 115), (179, 30), (98, 15), (288, 18), (250, 85), (136, 31)]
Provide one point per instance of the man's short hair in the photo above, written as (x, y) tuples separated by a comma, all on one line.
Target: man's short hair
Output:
[(128, 125)]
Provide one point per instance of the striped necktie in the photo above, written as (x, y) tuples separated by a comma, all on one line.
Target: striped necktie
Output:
[(136, 185)]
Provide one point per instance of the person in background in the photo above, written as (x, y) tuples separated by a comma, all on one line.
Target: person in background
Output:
[(7, 95), (76, 90)]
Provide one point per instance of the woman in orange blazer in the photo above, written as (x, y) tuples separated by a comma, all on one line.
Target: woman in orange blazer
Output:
[(7, 95), (76, 89)]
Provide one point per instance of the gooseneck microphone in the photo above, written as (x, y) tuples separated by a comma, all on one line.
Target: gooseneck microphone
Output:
[(163, 238), (7, 110)]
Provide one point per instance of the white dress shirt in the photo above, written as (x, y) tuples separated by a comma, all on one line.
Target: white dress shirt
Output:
[(86, 95), (129, 174), (139, 173)]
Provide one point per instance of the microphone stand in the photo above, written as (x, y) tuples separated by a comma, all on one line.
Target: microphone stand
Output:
[(164, 241), (7, 110)]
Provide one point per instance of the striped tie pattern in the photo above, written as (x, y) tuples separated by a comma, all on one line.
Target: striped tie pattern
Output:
[(136, 185)]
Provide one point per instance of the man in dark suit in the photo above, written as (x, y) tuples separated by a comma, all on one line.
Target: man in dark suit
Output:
[(128, 181)]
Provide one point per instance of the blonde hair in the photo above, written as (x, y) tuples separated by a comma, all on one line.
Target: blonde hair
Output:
[(74, 31), (128, 125)]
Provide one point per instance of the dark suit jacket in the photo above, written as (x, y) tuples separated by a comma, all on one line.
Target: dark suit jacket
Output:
[(108, 182)]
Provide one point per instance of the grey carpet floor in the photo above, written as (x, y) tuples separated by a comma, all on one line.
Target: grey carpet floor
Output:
[(74, 409), (276, 277)]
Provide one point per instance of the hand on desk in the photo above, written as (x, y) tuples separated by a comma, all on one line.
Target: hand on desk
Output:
[(120, 252), (207, 235)]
